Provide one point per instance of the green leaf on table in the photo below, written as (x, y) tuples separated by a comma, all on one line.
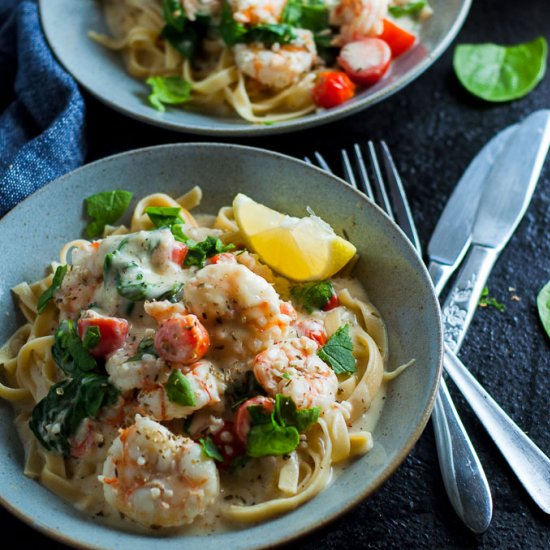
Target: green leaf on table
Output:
[(501, 73), (47, 295), (485, 300), (105, 208), (170, 90), (338, 352), (543, 306)]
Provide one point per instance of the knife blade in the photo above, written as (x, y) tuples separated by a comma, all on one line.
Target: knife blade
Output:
[(453, 233), (506, 195), (504, 200)]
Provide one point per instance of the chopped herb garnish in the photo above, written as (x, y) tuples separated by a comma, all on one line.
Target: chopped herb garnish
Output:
[(105, 208), (170, 90), (47, 295), (69, 352), (145, 347), (410, 8), (313, 295), (486, 300), (338, 352), (179, 390), (210, 449)]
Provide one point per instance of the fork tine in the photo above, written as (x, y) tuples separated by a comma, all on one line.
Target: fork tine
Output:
[(308, 160), (363, 176), (383, 199), (401, 206), (349, 176), (322, 162)]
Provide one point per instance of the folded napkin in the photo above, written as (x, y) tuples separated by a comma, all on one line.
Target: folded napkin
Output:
[(41, 108)]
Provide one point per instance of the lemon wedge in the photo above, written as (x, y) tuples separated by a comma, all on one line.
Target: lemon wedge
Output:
[(301, 249)]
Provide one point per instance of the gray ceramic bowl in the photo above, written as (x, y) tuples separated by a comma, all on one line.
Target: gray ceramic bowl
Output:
[(67, 22), (394, 277)]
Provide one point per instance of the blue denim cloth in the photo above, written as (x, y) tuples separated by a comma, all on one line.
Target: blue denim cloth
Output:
[(41, 108)]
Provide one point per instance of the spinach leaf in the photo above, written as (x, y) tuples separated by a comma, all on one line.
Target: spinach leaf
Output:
[(70, 353), (410, 8), (174, 14), (501, 73), (187, 40), (313, 295), (210, 449), (172, 90), (47, 295), (198, 252), (312, 15), (338, 352), (278, 433), (163, 216), (179, 390), (105, 208), (230, 31), (56, 418), (543, 306)]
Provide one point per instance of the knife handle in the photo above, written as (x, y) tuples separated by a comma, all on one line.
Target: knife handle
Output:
[(529, 463), (461, 303), (462, 473), (440, 274)]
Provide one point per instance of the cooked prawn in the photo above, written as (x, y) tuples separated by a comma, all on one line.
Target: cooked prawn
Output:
[(255, 12), (358, 19), (205, 381), (239, 309), (156, 477), (293, 368), (279, 66)]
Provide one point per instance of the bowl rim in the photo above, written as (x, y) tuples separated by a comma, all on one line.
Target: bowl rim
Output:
[(249, 129), (438, 338)]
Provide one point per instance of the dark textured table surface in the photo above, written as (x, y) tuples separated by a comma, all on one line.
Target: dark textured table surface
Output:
[(434, 128)]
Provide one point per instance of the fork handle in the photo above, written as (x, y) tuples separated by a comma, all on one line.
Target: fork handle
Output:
[(527, 461), (462, 473)]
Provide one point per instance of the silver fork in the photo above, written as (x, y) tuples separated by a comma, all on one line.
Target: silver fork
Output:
[(461, 470)]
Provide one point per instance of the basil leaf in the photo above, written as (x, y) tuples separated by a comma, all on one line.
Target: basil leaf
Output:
[(91, 338), (69, 352), (338, 352), (411, 8), (105, 208), (179, 390), (313, 16), (163, 216), (47, 295), (289, 415), (501, 73), (177, 232), (543, 306), (198, 253), (230, 31), (314, 295), (271, 439), (58, 416), (210, 449), (172, 90), (187, 39)]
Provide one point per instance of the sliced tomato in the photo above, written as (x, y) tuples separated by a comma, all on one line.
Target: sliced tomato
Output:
[(242, 418), (182, 339), (399, 40), (333, 302), (229, 445), (112, 333), (224, 257), (179, 252), (365, 61), (332, 88)]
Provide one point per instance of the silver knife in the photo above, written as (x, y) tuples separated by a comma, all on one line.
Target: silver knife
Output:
[(506, 195), (461, 471)]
